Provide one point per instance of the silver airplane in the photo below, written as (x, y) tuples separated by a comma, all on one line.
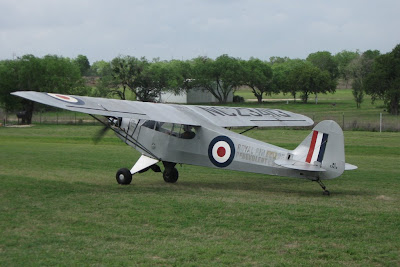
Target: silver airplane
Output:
[(197, 135)]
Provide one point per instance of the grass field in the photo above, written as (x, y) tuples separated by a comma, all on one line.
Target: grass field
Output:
[(60, 205)]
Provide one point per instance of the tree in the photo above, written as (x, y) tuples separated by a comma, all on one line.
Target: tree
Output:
[(152, 80), (9, 70), (220, 77), (83, 64), (384, 80), (325, 61), (105, 81), (358, 69), (29, 73), (283, 79), (343, 59), (125, 71), (307, 79), (278, 60), (258, 76), (358, 91), (180, 75)]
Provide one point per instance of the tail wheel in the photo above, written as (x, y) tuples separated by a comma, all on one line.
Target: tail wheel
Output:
[(124, 176), (171, 176)]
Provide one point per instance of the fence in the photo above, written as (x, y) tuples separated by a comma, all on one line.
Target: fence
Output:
[(380, 122), (53, 117)]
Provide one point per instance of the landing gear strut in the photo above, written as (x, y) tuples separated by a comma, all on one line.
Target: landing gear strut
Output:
[(326, 192), (170, 173)]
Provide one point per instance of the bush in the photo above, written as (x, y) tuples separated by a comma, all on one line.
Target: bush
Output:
[(238, 99)]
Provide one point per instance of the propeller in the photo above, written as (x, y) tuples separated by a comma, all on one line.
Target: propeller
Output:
[(108, 123), (100, 134)]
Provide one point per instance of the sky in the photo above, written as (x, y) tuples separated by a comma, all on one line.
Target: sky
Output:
[(185, 29)]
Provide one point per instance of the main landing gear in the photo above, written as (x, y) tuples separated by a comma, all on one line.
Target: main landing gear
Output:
[(170, 174), (326, 192)]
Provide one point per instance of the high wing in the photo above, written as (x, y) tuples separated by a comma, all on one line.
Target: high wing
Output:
[(181, 114), (245, 117)]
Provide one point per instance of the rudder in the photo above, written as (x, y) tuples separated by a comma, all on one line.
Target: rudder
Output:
[(323, 147)]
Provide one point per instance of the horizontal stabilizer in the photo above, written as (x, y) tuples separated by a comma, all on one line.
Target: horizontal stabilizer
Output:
[(350, 167), (298, 165)]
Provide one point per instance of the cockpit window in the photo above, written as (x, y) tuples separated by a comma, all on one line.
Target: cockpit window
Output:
[(149, 124), (178, 130), (188, 132)]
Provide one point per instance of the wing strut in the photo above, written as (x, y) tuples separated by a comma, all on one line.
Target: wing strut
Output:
[(127, 137), (248, 129)]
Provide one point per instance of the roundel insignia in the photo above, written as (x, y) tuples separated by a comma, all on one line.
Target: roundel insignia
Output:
[(221, 151), (67, 98)]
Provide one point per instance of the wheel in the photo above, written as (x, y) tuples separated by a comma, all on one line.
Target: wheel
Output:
[(124, 176), (171, 176)]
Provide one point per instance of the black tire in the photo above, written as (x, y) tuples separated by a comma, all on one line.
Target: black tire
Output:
[(124, 176), (171, 176)]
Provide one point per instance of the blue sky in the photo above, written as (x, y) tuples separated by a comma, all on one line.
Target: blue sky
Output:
[(187, 29)]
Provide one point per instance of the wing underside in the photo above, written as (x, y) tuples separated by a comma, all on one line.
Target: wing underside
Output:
[(181, 114)]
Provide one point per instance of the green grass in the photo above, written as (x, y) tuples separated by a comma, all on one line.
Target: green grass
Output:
[(60, 205)]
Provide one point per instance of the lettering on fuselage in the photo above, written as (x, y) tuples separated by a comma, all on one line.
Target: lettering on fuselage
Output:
[(256, 155), (244, 112)]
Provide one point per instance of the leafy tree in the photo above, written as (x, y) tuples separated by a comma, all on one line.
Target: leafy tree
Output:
[(278, 60), (125, 71), (100, 68), (29, 73), (343, 59), (220, 77), (61, 75), (308, 79), (325, 61), (152, 80), (358, 91), (180, 75), (258, 76), (384, 80), (358, 69), (83, 64), (9, 70), (281, 77)]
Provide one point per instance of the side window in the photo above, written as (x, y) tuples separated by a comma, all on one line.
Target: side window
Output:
[(178, 130), (167, 128), (149, 124), (187, 132)]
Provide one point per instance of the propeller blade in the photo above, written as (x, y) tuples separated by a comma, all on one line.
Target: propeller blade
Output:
[(100, 134)]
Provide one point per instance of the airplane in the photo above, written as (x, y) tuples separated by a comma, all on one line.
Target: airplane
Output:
[(199, 135)]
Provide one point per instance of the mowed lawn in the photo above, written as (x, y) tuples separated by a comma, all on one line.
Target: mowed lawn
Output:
[(60, 205)]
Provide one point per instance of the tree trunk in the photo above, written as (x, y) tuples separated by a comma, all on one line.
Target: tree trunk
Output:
[(28, 108), (394, 106), (259, 98)]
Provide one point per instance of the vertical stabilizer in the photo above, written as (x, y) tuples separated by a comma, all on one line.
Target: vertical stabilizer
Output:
[(324, 148)]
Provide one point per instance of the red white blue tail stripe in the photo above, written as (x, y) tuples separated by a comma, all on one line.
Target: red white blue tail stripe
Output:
[(317, 147)]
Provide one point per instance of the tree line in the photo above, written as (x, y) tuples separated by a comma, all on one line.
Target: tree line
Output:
[(368, 72)]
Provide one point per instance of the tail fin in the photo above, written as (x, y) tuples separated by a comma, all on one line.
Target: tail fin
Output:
[(323, 147), (322, 152)]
